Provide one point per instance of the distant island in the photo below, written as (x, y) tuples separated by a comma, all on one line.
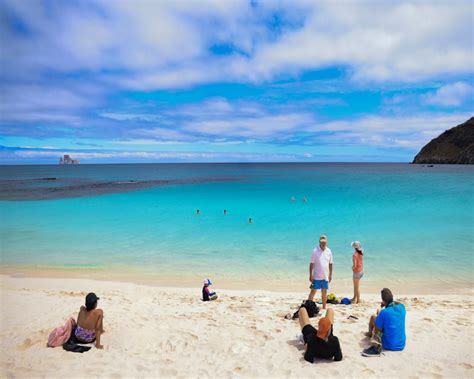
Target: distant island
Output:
[(66, 159), (454, 146)]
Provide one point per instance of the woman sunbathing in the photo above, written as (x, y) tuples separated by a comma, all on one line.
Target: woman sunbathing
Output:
[(89, 322)]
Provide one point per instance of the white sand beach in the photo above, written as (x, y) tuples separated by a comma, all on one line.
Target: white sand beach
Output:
[(169, 332)]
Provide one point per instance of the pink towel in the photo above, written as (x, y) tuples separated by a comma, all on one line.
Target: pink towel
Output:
[(61, 334)]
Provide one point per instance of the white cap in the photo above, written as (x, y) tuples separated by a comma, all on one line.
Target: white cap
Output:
[(356, 245), (207, 282)]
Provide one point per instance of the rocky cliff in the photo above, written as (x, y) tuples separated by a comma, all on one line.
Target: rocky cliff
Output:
[(454, 146)]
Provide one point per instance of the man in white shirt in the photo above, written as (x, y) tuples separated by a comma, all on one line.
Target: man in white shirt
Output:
[(320, 270)]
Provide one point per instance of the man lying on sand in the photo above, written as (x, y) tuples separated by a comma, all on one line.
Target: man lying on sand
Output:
[(320, 343), (387, 327), (89, 322)]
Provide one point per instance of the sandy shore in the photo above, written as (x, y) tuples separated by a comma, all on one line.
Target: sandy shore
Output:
[(270, 281), (169, 332)]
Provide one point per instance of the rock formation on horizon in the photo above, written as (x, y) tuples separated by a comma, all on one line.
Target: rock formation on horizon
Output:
[(454, 146)]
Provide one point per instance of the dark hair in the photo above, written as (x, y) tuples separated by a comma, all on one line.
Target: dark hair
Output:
[(91, 301), (359, 251), (387, 296), (90, 307)]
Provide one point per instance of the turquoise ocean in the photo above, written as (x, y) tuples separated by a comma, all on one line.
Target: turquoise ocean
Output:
[(415, 222)]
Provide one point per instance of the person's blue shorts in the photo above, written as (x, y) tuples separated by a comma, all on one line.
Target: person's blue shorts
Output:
[(320, 284)]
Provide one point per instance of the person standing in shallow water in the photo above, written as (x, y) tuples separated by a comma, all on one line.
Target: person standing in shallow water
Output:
[(320, 270), (357, 270)]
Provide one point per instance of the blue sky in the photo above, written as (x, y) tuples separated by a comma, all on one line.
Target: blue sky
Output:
[(219, 81)]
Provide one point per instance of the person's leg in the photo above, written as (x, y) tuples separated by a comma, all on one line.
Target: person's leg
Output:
[(376, 339), (371, 325), (303, 317), (330, 315), (312, 294), (355, 293), (324, 296), (356, 290)]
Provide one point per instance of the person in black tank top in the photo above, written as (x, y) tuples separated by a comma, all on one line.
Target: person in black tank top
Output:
[(320, 343)]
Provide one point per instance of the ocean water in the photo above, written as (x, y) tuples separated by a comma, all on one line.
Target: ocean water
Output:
[(414, 222)]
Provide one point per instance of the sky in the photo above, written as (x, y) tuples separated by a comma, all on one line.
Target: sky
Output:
[(231, 81)]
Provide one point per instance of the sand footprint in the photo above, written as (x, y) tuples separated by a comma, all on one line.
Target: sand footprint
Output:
[(27, 343)]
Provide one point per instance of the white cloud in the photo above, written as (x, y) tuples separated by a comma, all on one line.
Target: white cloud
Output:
[(155, 45), (268, 126), (149, 117), (451, 95), (385, 41), (53, 103), (162, 156), (411, 132)]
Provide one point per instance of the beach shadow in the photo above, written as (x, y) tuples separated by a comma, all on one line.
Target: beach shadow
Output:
[(296, 343)]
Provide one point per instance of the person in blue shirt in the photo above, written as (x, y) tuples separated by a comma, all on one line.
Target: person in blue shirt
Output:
[(387, 328)]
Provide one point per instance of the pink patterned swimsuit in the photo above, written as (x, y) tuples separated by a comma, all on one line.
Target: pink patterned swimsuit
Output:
[(84, 335)]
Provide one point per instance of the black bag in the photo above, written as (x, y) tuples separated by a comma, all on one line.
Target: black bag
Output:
[(72, 344), (311, 308)]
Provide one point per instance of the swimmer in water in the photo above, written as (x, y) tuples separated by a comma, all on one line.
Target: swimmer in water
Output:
[(198, 211), (293, 199), (305, 200), (250, 220), (225, 211)]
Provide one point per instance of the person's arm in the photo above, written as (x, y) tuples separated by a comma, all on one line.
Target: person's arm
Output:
[(98, 330), (353, 263), (379, 321), (311, 266), (330, 267)]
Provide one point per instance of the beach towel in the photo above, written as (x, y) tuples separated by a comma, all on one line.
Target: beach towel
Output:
[(61, 334), (73, 346)]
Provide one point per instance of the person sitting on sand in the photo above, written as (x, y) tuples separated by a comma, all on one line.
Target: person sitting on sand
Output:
[(207, 295), (357, 270), (387, 327), (90, 322), (320, 343)]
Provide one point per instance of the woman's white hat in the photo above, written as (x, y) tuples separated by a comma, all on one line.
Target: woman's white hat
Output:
[(356, 245)]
